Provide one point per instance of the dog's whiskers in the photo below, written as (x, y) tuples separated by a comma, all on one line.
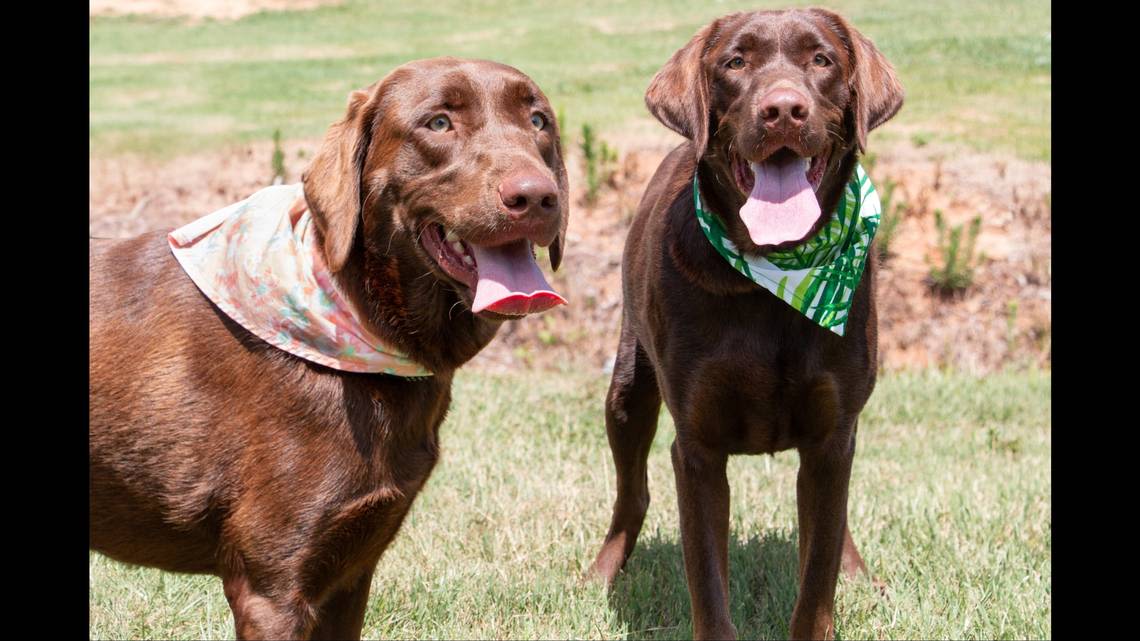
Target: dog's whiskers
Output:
[(392, 237), (452, 309)]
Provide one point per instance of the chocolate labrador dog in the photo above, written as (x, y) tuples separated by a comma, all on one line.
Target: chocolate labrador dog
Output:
[(776, 106), (212, 451)]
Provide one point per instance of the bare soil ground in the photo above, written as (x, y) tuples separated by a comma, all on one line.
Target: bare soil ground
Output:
[(1002, 320)]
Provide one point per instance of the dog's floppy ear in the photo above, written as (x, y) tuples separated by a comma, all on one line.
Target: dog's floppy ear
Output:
[(876, 94), (678, 96), (556, 247), (332, 181)]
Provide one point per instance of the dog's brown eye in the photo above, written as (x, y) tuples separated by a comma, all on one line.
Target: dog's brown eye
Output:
[(736, 63), (440, 123), (821, 60), (538, 120)]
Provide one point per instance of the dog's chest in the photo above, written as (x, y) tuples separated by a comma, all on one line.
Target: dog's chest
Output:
[(754, 376)]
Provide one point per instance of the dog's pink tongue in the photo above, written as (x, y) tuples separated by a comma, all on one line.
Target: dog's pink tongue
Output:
[(510, 282), (782, 206)]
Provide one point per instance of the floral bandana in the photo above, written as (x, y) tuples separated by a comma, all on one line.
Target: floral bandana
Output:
[(258, 260), (818, 277)]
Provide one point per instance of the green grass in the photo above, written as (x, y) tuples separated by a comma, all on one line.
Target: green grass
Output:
[(950, 505), (977, 72)]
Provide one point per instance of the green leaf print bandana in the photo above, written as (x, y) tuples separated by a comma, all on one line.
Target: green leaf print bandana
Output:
[(819, 276)]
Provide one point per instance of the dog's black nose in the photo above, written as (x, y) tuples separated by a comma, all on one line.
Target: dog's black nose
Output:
[(782, 107), (529, 194)]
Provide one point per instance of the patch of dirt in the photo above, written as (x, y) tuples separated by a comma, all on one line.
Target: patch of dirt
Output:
[(198, 9), (1003, 319), (130, 195)]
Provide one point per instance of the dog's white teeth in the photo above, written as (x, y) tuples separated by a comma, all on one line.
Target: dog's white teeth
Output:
[(456, 245)]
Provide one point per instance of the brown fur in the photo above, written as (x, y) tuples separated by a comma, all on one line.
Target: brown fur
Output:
[(213, 452), (740, 370)]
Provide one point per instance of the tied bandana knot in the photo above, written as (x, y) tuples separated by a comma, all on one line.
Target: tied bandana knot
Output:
[(818, 277), (259, 262)]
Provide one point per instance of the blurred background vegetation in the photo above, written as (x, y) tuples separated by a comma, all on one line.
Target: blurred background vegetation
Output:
[(976, 71)]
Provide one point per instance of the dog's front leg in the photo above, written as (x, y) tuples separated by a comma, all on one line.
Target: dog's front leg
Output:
[(265, 614), (821, 497), (702, 495), (342, 615)]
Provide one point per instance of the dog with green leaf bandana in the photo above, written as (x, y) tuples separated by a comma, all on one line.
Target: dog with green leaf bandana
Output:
[(749, 308)]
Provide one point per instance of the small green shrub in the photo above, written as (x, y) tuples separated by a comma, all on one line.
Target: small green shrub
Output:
[(278, 161), (1011, 325), (955, 273), (890, 218), (600, 160), (998, 442), (549, 334)]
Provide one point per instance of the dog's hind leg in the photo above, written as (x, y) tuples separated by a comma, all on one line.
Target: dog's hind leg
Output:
[(632, 406)]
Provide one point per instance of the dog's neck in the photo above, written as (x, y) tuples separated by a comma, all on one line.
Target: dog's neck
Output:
[(402, 301)]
